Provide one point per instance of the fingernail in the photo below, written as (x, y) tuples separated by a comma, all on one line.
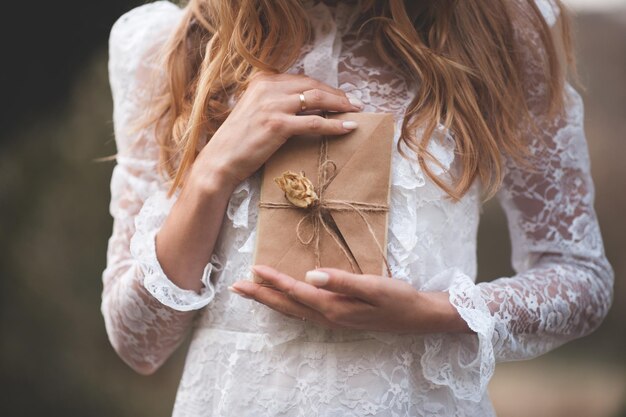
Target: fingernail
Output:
[(356, 102), (350, 125), (236, 291), (316, 278)]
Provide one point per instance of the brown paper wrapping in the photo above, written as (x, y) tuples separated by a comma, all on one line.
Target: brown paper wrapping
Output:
[(360, 178)]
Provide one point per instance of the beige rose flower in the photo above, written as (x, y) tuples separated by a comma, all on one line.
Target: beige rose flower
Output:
[(298, 189)]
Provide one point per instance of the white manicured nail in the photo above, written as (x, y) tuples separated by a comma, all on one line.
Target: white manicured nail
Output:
[(316, 278), (356, 102), (350, 125)]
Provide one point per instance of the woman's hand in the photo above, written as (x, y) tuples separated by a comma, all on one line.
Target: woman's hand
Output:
[(265, 116), (338, 299)]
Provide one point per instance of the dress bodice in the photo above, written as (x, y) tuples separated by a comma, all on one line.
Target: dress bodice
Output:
[(422, 220)]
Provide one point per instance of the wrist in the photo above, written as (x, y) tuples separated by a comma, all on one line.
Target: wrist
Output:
[(213, 181), (442, 316)]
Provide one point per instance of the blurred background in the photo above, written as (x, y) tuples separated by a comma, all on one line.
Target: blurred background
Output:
[(55, 358)]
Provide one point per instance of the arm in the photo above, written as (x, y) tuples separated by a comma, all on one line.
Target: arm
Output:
[(146, 314), (563, 285), (153, 284)]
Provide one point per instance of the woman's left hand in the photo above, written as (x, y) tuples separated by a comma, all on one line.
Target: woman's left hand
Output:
[(339, 299)]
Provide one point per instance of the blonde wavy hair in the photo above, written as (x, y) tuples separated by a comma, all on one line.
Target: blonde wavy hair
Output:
[(465, 55)]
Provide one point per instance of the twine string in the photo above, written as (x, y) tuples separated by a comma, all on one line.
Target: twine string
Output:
[(317, 213)]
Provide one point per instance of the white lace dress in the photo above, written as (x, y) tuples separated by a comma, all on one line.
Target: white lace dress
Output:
[(247, 360)]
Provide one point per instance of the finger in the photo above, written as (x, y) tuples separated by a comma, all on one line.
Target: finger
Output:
[(318, 125), (316, 99), (279, 301), (365, 287), (302, 292), (335, 308)]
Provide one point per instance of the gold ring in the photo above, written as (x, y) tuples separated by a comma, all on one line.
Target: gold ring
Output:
[(302, 102)]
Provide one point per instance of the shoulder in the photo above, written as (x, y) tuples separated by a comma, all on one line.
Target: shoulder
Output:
[(549, 10), (135, 70), (539, 30), (140, 21), (140, 30), (525, 10)]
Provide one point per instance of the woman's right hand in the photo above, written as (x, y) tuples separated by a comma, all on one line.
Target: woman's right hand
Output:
[(265, 116)]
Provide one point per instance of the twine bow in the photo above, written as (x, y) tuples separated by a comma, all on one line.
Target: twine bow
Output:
[(318, 213)]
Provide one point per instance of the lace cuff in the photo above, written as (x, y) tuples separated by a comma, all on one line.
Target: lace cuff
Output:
[(142, 247), (463, 362)]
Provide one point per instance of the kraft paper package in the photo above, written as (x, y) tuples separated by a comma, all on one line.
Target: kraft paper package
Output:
[(325, 200)]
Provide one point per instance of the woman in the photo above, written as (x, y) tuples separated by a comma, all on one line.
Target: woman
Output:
[(205, 94)]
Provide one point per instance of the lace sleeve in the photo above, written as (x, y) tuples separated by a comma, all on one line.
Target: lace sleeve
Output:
[(563, 286), (142, 308)]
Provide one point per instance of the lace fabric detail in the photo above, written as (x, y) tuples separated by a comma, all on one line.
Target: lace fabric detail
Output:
[(549, 10), (142, 248), (563, 285), (247, 359), (143, 330), (463, 362), (311, 378)]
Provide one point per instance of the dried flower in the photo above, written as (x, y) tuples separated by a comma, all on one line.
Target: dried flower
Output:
[(298, 189)]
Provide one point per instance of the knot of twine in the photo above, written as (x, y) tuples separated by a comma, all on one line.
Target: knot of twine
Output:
[(318, 213)]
